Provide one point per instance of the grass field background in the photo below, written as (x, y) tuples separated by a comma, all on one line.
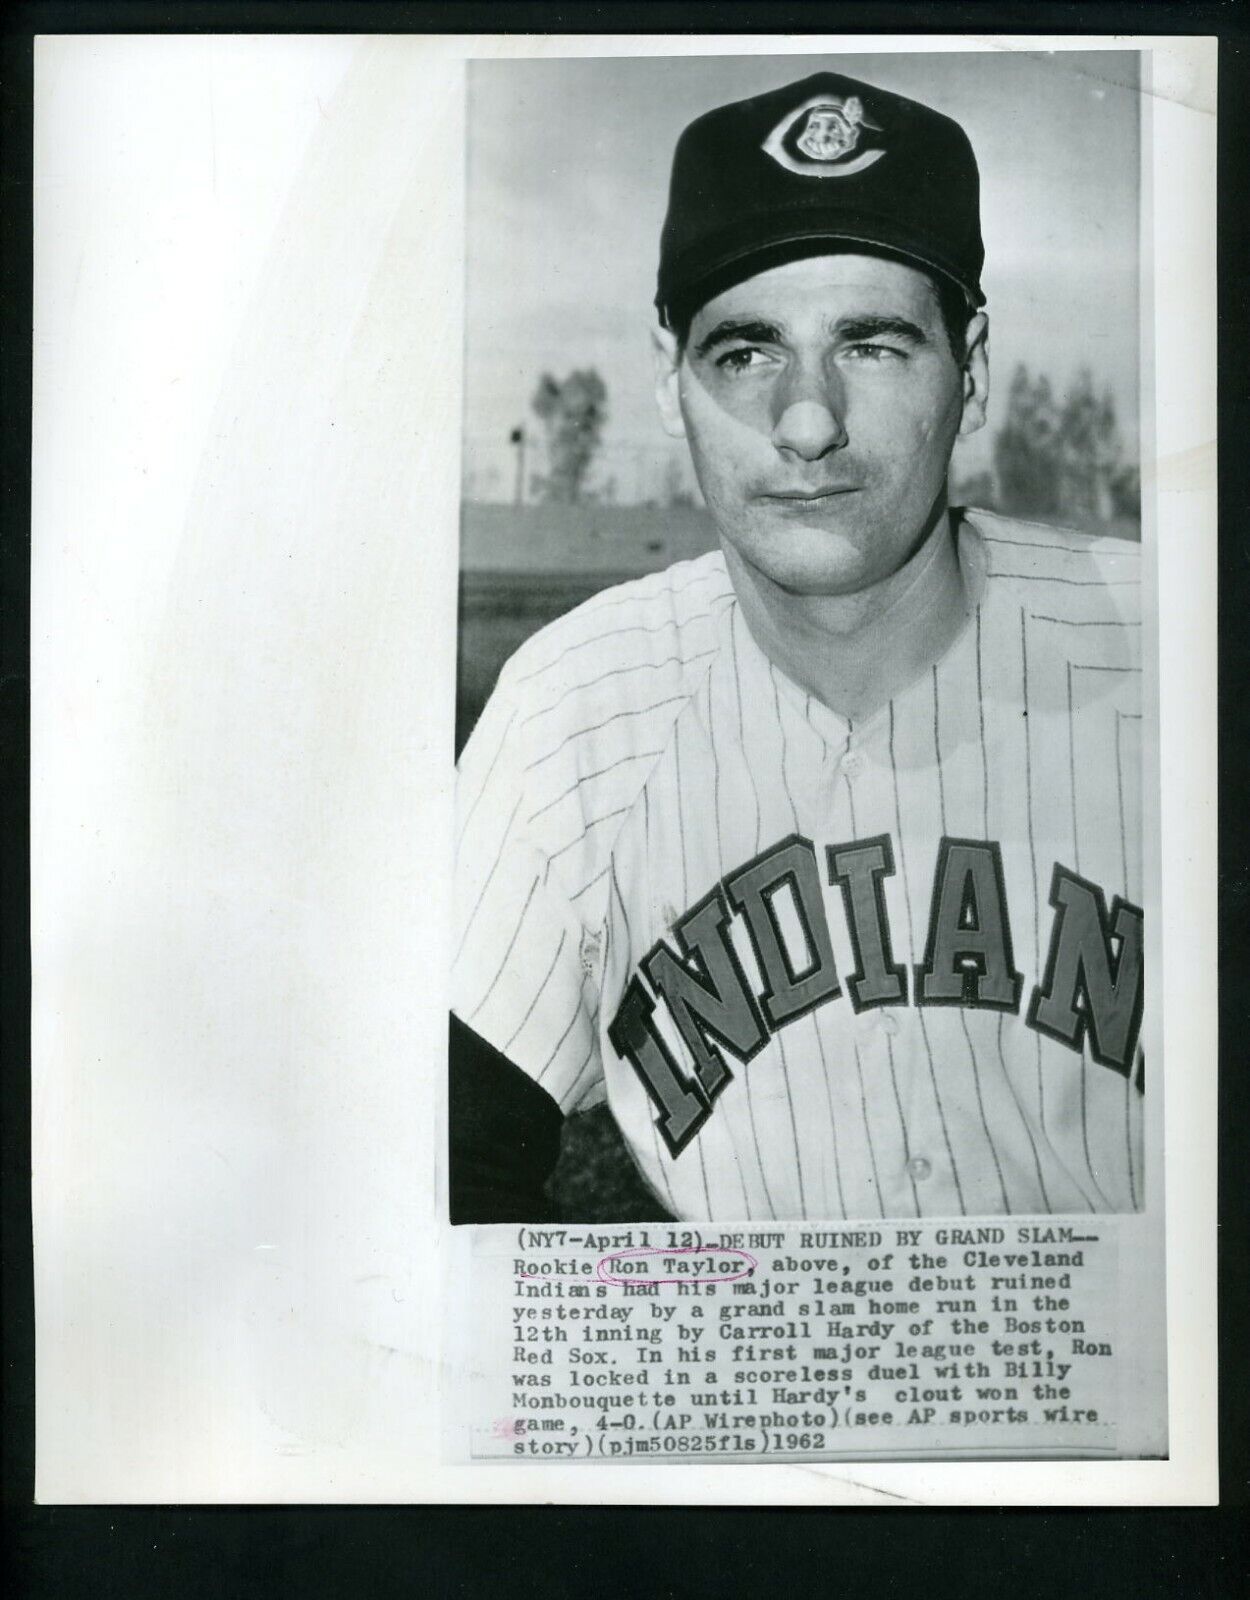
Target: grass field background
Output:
[(523, 566)]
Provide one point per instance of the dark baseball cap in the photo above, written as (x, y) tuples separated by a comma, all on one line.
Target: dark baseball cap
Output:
[(826, 162)]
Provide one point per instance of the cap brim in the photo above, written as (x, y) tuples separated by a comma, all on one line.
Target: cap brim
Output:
[(735, 266)]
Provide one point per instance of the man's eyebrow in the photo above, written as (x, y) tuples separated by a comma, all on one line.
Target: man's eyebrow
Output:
[(749, 330), (852, 329), (856, 330)]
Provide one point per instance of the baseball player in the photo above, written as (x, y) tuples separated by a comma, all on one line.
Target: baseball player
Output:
[(817, 857)]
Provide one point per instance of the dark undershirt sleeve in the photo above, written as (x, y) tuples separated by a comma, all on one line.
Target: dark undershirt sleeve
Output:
[(505, 1135)]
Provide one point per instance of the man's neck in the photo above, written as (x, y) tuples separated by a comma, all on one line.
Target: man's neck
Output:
[(855, 652)]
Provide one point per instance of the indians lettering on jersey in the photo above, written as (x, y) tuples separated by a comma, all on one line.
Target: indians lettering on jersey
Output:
[(820, 969), (1094, 980)]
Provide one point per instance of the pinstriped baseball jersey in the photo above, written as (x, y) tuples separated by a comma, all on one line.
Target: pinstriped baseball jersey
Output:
[(822, 969)]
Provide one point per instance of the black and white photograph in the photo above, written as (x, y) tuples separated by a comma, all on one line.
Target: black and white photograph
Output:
[(622, 797), (800, 868)]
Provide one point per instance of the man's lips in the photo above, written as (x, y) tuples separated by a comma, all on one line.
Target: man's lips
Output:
[(804, 497)]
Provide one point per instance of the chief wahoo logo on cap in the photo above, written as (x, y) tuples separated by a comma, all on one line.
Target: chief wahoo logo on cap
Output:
[(814, 137)]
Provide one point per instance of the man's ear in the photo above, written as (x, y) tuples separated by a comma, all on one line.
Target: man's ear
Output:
[(667, 359), (976, 374)]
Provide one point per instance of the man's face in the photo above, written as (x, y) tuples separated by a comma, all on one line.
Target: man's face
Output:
[(826, 134), (821, 401)]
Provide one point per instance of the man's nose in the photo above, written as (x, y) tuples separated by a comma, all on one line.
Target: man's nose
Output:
[(810, 417)]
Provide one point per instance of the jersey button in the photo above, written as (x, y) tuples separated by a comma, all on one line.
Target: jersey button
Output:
[(919, 1168), (889, 1022), (853, 764)]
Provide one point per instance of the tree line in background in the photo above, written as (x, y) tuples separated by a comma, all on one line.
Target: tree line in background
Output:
[(572, 413), (1060, 458), (1053, 457)]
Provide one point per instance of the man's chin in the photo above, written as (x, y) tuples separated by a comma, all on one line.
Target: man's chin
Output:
[(811, 561)]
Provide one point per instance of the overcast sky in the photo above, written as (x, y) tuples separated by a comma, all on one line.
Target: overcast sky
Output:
[(568, 164)]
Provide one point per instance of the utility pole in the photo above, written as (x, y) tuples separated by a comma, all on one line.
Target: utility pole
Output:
[(517, 438)]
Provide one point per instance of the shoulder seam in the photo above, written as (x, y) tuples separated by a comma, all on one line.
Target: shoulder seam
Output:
[(588, 609)]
